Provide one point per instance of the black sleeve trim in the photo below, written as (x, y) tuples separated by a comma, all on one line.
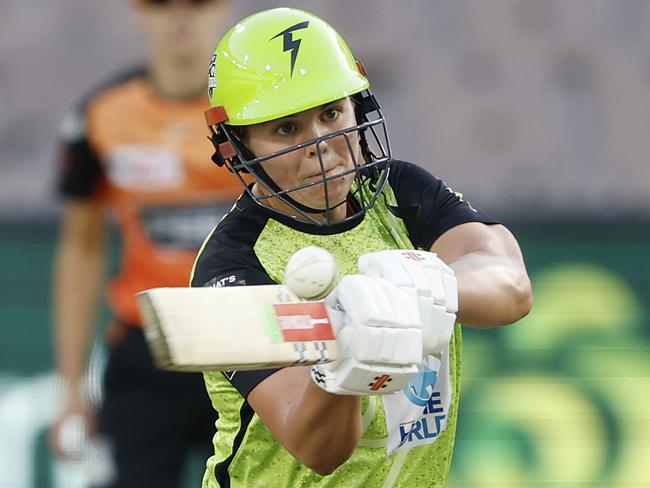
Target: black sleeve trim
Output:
[(80, 170), (246, 381), (428, 207)]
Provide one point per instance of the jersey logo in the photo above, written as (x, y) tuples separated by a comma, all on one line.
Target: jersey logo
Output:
[(144, 167), (233, 279), (420, 388), (180, 226), (460, 197), (418, 414), (289, 43)]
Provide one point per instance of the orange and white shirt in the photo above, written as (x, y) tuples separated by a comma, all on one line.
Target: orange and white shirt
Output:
[(148, 160)]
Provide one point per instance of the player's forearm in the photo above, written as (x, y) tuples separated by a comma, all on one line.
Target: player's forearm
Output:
[(322, 429), (76, 291), (77, 280), (492, 291)]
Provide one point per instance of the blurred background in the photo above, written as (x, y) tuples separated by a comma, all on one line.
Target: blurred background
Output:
[(537, 110)]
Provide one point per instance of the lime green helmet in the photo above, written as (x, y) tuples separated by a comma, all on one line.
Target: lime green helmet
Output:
[(279, 62)]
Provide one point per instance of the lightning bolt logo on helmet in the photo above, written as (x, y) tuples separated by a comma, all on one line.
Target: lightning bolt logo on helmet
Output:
[(289, 43)]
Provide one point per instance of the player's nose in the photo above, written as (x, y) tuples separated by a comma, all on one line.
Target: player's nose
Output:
[(316, 130)]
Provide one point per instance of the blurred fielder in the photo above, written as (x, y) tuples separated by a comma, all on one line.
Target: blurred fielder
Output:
[(137, 148)]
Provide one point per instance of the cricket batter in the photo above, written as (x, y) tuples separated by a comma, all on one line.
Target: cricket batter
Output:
[(292, 115), (137, 148)]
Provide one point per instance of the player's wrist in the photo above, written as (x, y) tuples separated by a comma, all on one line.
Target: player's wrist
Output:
[(73, 391)]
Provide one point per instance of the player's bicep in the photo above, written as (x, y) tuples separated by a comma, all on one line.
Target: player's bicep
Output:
[(475, 237)]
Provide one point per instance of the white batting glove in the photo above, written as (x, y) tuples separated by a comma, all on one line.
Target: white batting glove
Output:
[(423, 275), (378, 335)]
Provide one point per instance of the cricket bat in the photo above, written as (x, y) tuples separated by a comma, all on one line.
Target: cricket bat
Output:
[(235, 328)]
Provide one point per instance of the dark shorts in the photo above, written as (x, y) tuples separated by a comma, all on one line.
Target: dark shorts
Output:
[(152, 419)]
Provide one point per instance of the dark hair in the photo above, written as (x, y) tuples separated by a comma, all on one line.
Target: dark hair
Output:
[(239, 131)]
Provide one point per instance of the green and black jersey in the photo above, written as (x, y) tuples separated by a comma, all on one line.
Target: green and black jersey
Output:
[(250, 247)]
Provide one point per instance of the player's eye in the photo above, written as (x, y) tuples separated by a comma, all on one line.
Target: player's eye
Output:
[(286, 129), (331, 114)]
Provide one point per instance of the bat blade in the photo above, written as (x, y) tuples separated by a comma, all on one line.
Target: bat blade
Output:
[(234, 328)]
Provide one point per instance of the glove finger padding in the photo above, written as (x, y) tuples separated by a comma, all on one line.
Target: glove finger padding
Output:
[(432, 282), (375, 302), (378, 335)]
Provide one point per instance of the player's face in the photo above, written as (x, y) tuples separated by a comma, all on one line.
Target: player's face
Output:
[(182, 29), (303, 166)]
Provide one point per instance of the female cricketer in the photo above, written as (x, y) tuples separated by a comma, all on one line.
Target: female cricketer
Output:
[(293, 117)]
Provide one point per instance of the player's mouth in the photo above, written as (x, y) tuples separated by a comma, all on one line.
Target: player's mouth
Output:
[(339, 168)]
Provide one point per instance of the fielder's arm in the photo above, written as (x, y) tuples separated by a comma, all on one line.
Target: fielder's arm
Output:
[(77, 279)]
